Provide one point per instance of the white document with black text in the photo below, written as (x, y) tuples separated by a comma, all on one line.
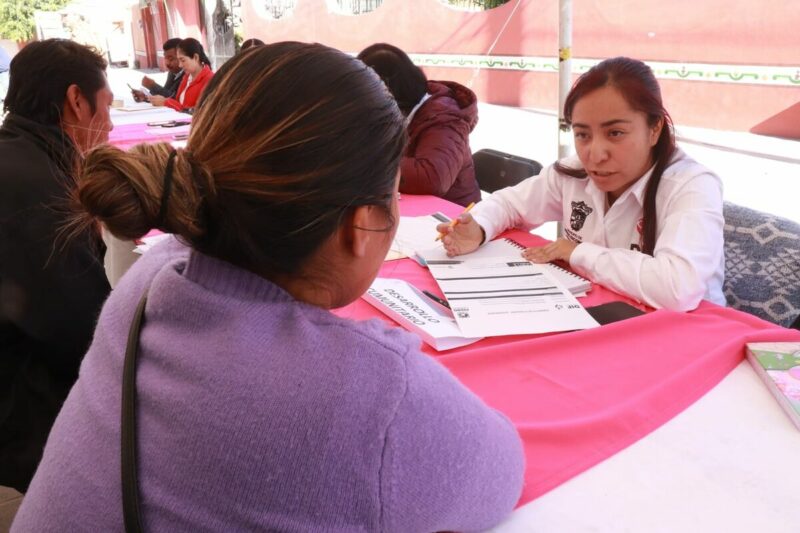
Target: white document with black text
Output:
[(508, 296), (410, 308), (504, 248)]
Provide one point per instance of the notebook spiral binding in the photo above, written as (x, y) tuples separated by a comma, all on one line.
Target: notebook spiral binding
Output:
[(521, 246)]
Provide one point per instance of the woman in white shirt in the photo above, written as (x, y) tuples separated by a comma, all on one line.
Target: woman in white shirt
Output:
[(639, 216)]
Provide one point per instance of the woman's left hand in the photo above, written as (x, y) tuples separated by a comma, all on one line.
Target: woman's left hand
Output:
[(559, 249), (157, 100)]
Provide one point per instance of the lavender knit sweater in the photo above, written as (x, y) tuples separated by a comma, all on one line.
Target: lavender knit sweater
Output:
[(258, 412)]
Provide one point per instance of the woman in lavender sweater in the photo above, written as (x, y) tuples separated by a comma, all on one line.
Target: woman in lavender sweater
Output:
[(257, 408)]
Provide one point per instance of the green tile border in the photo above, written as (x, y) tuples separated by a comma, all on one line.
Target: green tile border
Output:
[(741, 74)]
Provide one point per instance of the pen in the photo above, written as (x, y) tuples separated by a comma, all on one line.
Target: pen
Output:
[(454, 222), (441, 217), (436, 299)]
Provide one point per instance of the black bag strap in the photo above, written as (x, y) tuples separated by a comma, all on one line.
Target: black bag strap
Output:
[(130, 482)]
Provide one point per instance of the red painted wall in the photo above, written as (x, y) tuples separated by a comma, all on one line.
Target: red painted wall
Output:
[(701, 31), (182, 20), (185, 19)]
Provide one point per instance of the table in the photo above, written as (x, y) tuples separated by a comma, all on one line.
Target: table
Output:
[(728, 463), (631, 450), (713, 453), (130, 127)]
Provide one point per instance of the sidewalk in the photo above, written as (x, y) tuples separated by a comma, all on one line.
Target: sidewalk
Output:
[(757, 171)]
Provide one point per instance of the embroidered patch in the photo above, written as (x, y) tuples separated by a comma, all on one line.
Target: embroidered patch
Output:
[(578, 216)]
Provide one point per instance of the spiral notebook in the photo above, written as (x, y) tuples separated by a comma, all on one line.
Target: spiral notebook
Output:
[(576, 284)]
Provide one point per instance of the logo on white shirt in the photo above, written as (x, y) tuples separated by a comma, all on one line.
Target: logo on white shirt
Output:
[(579, 213), (640, 231)]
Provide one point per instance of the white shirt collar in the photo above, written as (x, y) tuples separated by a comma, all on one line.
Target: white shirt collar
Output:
[(414, 110)]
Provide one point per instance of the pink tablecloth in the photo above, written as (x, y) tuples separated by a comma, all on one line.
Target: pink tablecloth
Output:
[(578, 398), (127, 135)]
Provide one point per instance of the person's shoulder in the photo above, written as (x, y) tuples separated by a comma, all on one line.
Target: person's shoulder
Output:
[(683, 169), (369, 352), (449, 88), (16, 147), (451, 95), (27, 167), (373, 336), (448, 104), (169, 253), (206, 73)]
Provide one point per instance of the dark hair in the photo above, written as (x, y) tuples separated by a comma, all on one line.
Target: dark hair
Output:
[(263, 182), (169, 44), (41, 73), (405, 80), (249, 43), (638, 86), (192, 46)]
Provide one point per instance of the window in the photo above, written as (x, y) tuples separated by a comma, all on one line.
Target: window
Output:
[(353, 7), (274, 9)]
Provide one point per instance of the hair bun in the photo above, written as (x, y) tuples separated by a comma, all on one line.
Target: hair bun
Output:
[(124, 191)]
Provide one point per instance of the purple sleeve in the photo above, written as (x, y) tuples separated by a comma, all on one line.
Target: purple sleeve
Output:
[(450, 462)]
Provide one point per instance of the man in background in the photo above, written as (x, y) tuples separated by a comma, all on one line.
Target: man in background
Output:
[(51, 286), (174, 75)]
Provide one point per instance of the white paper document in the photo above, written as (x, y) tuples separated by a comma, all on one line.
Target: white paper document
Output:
[(143, 115), (136, 106), (508, 296), (417, 313), (505, 248), (414, 233)]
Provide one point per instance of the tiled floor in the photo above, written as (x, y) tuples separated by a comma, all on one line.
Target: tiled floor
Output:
[(9, 502)]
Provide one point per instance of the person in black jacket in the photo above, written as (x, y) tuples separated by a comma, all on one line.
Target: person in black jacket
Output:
[(51, 287), (174, 75)]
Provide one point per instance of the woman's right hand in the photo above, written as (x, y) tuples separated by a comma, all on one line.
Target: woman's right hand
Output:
[(138, 96), (463, 238)]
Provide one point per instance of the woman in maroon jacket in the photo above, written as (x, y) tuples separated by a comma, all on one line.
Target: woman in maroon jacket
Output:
[(440, 116), (197, 74)]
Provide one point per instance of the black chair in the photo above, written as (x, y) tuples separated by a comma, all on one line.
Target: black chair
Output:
[(496, 170), (762, 264)]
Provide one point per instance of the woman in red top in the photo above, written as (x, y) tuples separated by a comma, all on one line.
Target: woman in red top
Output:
[(195, 64)]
